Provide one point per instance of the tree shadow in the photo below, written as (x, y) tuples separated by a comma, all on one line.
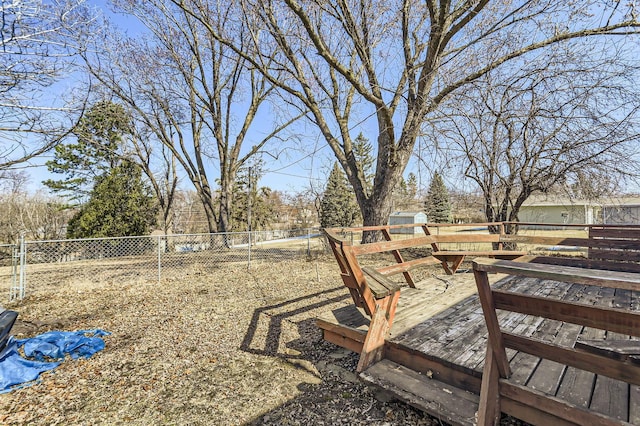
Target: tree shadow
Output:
[(287, 329)]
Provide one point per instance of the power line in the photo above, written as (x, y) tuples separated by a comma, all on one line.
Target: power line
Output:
[(292, 175)]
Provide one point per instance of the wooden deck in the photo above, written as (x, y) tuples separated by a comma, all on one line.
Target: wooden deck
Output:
[(435, 354)]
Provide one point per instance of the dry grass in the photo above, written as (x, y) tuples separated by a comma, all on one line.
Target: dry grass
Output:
[(215, 346)]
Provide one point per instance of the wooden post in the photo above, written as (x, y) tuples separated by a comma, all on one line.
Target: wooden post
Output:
[(493, 327), (373, 346), (489, 405)]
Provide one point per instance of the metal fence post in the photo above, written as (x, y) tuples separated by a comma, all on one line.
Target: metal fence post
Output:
[(249, 252), (15, 260), (23, 268), (308, 241), (159, 260)]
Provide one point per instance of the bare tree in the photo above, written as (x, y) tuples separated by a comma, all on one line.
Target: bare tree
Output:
[(158, 163), (304, 206), (189, 217), (37, 216), (37, 53), (573, 125), (395, 61), (44, 217), (194, 95)]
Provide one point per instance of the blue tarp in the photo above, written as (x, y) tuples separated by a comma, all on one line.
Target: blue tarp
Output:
[(45, 352)]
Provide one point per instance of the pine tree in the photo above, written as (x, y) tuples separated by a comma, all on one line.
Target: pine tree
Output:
[(437, 204), (404, 194), (119, 205), (337, 206), (363, 152), (412, 186), (99, 137), (246, 191)]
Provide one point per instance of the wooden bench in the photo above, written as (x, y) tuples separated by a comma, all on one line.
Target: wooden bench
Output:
[(373, 288), (498, 393)]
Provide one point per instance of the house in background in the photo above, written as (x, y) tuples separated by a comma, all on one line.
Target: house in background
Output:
[(401, 218), (560, 210), (621, 211)]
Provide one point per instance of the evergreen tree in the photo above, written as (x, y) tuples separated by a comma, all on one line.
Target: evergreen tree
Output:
[(246, 190), (365, 160), (437, 204), (337, 206), (119, 205), (412, 186), (404, 194), (99, 136)]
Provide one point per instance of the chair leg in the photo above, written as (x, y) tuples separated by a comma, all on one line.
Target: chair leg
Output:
[(489, 408), (374, 342)]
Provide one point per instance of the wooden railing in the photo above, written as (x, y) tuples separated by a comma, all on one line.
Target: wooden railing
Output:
[(374, 290), (498, 393)]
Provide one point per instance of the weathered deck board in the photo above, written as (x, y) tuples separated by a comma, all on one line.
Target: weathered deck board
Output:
[(577, 385), (451, 404), (611, 396), (455, 339), (523, 365), (548, 374), (458, 334), (415, 305)]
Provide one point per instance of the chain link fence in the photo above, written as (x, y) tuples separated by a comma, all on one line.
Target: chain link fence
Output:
[(148, 257)]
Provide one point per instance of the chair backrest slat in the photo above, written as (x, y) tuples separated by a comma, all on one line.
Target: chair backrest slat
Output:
[(604, 318)]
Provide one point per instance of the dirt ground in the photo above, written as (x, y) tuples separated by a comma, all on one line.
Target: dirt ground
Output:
[(217, 345)]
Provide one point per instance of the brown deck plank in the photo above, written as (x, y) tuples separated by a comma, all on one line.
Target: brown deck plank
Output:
[(548, 374), (468, 346), (577, 385), (430, 298), (415, 305), (449, 403), (525, 324), (611, 397), (523, 365), (447, 326)]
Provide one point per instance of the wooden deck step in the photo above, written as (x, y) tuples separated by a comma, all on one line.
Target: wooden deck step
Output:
[(446, 402)]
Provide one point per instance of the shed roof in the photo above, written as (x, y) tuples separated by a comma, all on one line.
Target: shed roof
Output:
[(407, 214)]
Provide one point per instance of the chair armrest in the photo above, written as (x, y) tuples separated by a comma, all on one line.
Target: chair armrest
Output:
[(379, 285)]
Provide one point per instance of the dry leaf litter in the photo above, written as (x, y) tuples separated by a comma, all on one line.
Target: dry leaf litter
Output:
[(216, 345)]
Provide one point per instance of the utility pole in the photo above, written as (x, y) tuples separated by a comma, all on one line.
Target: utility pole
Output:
[(249, 216), (249, 202)]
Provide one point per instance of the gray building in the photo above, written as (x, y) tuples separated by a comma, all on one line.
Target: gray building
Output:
[(402, 218), (621, 211)]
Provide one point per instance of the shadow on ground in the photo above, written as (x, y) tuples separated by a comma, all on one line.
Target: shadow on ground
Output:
[(287, 330)]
